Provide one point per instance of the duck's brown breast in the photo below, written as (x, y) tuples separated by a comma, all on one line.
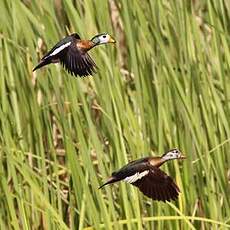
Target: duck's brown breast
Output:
[(156, 161), (84, 45)]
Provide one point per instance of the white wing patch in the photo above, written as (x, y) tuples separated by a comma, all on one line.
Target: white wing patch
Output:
[(59, 49), (136, 176)]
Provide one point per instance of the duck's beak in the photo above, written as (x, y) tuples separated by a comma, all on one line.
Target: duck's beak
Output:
[(182, 157), (112, 40)]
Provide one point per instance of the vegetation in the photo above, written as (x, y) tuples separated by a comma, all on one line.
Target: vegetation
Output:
[(165, 84)]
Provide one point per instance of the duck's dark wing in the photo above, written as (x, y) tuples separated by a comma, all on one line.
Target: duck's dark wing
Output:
[(62, 46), (157, 185), (134, 169), (77, 62), (58, 51), (131, 168)]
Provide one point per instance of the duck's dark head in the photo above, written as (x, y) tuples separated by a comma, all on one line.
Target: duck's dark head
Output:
[(173, 154), (102, 39)]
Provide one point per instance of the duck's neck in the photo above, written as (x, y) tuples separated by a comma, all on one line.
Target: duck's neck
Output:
[(93, 44), (85, 45), (157, 161)]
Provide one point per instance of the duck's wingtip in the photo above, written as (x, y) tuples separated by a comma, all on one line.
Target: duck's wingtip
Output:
[(110, 180), (100, 186)]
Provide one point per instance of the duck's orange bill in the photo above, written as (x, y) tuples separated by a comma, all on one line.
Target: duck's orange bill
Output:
[(111, 40), (182, 156)]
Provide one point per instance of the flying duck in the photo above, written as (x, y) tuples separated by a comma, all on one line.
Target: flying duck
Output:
[(145, 174), (71, 52)]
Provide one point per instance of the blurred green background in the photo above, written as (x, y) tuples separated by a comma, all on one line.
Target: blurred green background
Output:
[(165, 84)]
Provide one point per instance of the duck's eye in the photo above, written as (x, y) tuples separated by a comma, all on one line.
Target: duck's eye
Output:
[(104, 36)]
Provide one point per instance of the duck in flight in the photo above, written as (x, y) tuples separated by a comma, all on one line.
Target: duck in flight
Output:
[(150, 180), (72, 53)]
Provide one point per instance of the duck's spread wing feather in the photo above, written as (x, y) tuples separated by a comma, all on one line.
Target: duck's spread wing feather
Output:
[(157, 185), (78, 62), (61, 47)]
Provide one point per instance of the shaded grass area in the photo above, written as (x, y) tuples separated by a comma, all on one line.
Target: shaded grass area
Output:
[(166, 84)]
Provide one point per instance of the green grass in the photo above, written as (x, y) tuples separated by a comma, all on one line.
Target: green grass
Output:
[(167, 85)]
